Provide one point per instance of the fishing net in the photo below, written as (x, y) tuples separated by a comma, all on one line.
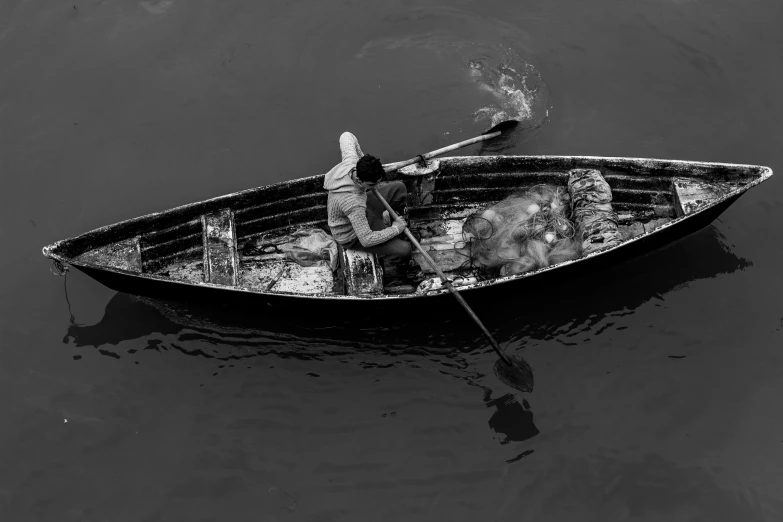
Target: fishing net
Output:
[(524, 232), (532, 230)]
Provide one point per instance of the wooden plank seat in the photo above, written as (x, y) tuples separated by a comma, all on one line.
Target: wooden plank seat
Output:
[(122, 255), (361, 272), (692, 195), (220, 247)]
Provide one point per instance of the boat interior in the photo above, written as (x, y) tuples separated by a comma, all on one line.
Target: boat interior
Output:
[(240, 240)]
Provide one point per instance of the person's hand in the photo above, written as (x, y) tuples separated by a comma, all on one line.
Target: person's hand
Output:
[(400, 224)]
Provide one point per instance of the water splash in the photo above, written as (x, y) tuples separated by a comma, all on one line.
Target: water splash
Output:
[(518, 95), (157, 6), (507, 86)]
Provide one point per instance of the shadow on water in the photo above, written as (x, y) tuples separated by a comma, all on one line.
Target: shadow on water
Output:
[(445, 344), (615, 290), (561, 310), (229, 336), (512, 418), (566, 309)]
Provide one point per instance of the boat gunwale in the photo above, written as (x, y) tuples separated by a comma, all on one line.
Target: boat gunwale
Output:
[(764, 174)]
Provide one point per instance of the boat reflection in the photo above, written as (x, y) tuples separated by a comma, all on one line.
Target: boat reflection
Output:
[(617, 289), (512, 418), (444, 344), (230, 336), (584, 308)]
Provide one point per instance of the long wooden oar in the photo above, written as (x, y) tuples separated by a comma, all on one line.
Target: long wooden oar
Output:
[(514, 371), (494, 132)]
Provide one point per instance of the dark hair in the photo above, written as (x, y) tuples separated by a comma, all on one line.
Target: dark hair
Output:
[(369, 168)]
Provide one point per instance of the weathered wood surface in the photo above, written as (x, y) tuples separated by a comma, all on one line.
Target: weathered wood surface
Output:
[(306, 280), (362, 273), (448, 248), (220, 248), (692, 195), (123, 255)]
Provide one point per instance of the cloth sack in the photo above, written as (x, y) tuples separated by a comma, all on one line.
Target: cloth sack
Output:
[(308, 246)]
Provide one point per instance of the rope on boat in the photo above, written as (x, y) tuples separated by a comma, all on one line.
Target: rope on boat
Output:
[(71, 318), (59, 269)]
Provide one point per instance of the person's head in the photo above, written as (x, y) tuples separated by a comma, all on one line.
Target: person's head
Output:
[(369, 170)]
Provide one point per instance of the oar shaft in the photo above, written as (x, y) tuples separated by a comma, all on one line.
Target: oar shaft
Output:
[(445, 281), (400, 164)]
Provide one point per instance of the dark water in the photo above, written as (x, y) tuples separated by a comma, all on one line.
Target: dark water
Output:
[(659, 386)]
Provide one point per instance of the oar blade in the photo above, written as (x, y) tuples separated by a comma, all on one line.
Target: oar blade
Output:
[(518, 374), (503, 126)]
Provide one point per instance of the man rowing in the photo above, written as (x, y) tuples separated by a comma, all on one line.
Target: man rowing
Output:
[(356, 215)]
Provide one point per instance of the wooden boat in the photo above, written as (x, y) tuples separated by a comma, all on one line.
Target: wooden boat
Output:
[(227, 249)]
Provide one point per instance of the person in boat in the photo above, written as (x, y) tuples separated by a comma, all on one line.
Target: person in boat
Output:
[(356, 215)]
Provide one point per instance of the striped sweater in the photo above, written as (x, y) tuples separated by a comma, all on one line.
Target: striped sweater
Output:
[(347, 201)]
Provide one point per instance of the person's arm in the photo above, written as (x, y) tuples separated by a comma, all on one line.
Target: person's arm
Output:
[(349, 147), (367, 236)]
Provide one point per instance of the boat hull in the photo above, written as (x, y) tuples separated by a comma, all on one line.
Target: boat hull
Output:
[(271, 303), (214, 252)]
